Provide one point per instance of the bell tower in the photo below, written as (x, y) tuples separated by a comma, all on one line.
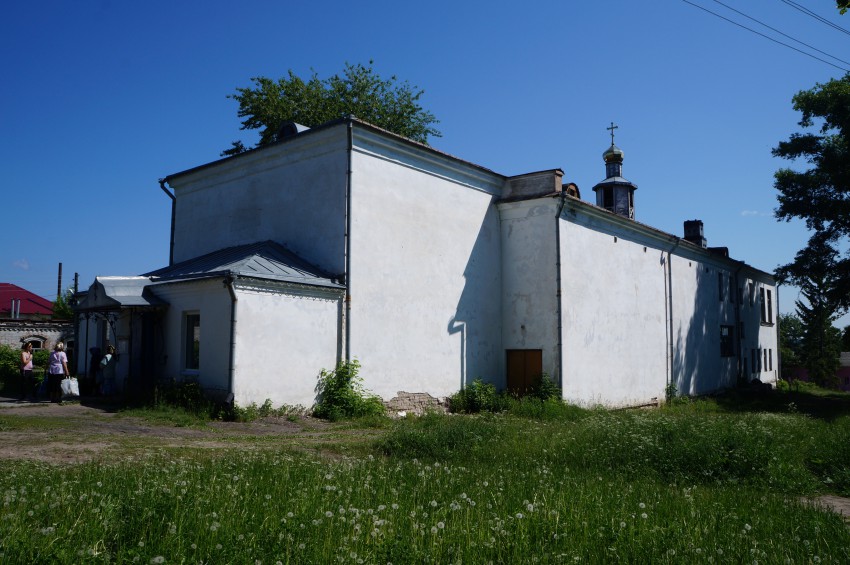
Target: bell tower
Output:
[(615, 193)]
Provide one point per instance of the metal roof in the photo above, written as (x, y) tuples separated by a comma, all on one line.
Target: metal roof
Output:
[(30, 302), (114, 292), (263, 260)]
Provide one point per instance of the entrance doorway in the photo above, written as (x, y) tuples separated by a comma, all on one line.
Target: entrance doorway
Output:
[(524, 367)]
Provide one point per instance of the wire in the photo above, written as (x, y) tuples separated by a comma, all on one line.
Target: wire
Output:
[(781, 33), (815, 16), (766, 36)]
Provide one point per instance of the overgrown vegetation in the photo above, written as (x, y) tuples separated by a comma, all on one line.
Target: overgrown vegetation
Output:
[(711, 480), (481, 396), (10, 363), (341, 394)]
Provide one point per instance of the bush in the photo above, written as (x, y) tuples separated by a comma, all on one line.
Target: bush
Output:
[(341, 394), (477, 397)]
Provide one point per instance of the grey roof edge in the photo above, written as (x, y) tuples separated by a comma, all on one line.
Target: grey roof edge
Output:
[(217, 261), (325, 126), (634, 224), (327, 284)]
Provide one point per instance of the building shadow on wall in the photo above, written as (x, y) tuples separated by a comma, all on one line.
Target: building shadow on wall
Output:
[(476, 322), (691, 366)]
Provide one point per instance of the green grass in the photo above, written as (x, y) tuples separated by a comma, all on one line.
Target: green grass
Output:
[(702, 481)]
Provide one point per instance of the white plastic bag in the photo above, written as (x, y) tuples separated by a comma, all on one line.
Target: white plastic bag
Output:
[(70, 387)]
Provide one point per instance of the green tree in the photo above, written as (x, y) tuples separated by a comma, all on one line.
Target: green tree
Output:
[(816, 270), (791, 333), (842, 5), (62, 306), (820, 194), (360, 92)]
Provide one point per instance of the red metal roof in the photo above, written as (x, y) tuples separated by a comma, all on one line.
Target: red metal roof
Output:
[(31, 304)]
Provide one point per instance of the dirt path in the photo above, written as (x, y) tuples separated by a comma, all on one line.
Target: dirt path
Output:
[(77, 432)]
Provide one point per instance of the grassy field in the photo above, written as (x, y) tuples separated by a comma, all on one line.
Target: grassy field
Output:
[(709, 481)]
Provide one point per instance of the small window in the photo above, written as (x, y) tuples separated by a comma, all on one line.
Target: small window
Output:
[(731, 289), (727, 341), (192, 345), (769, 359), (769, 307), (608, 198), (764, 352), (720, 286), (763, 304)]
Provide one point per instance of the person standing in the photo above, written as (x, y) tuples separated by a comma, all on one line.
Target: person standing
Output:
[(26, 371), (57, 369), (106, 386)]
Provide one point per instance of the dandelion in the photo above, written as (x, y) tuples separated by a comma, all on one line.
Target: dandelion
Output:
[(644, 516), (329, 514), (642, 505), (158, 559), (218, 546), (433, 529), (141, 544), (433, 504), (441, 525), (519, 516)]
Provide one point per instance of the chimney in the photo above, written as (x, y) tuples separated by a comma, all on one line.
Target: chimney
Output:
[(694, 233)]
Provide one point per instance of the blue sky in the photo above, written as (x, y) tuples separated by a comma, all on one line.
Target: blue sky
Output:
[(100, 99)]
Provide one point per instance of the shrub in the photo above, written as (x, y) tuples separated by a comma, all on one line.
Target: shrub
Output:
[(341, 394), (477, 397), (545, 388)]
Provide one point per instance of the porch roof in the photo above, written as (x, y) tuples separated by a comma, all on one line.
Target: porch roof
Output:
[(263, 260), (110, 293)]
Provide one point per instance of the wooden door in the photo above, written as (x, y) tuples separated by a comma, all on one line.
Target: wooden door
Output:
[(524, 367)]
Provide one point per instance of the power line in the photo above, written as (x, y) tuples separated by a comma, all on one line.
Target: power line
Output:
[(815, 16), (766, 36), (781, 33)]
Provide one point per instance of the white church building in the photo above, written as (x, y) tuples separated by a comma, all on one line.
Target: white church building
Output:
[(345, 241)]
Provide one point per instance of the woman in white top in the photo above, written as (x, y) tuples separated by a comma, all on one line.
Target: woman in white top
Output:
[(57, 369)]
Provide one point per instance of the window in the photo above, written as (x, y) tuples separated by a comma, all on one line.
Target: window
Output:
[(192, 345), (727, 341), (720, 286), (752, 293), (732, 289), (608, 198), (769, 307), (764, 351), (769, 359)]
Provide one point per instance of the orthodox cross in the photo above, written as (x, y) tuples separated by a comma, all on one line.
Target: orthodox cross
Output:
[(611, 129)]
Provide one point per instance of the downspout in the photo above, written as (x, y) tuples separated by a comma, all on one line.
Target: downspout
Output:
[(229, 282), (669, 307), (173, 214), (558, 295), (738, 301), (347, 310), (776, 335)]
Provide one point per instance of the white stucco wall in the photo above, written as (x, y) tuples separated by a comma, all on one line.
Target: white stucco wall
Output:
[(284, 338), (614, 316), (642, 309), (211, 300), (425, 270), (292, 193), (529, 279)]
